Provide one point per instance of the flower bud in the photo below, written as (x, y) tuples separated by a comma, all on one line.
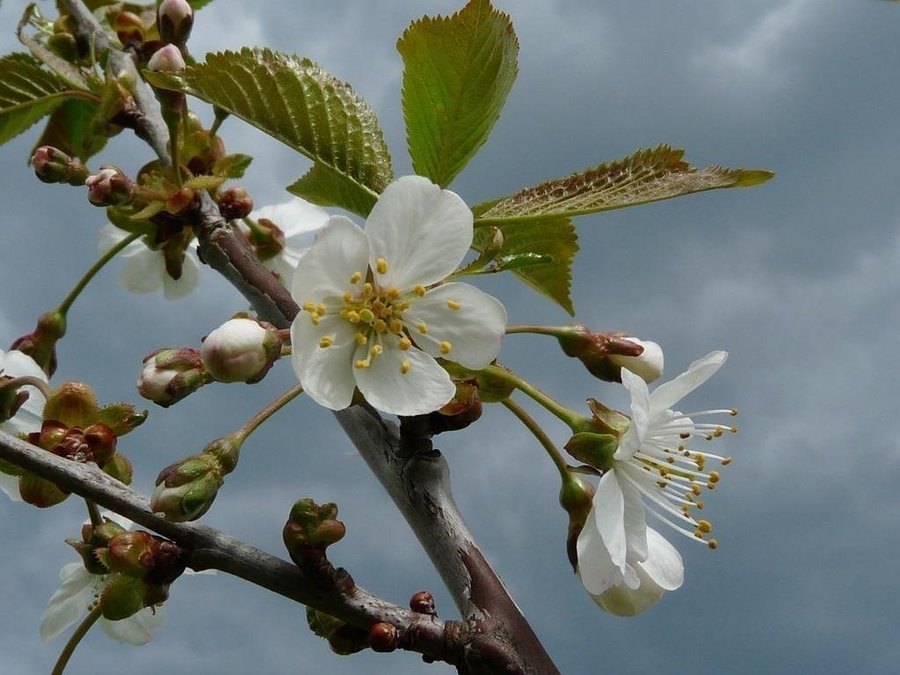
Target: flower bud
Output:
[(343, 638), (130, 553), (52, 165), (40, 344), (110, 187), (311, 527), (575, 496), (266, 238), (174, 20), (185, 490), (167, 59), (171, 374), (241, 350), (72, 404), (595, 450), (423, 603), (40, 492), (122, 597), (463, 409), (235, 203), (384, 637), (605, 354)]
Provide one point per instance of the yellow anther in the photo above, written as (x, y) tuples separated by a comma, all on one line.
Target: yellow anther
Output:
[(704, 526), (698, 534), (700, 505), (445, 347), (309, 307), (347, 296), (367, 290), (361, 339), (714, 477), (366, 315), (422, 328), (405, 366), (326, 341), (321, 308), (404, 343), (356, 277), (381, 266), (453, 304), (419, 290), (726, 461), (362, 363), (378, 306), (696, 489), (352, 316), (733, 412), (713, 544), (375, 351), (710, 486), (393, 293), (396, 326), (663, 471), (315, 319), (733, 430), (379, 325), (661, 483)]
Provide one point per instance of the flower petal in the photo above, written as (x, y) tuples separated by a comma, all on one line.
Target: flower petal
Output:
[(137, 629), (173, 289), (623, 601), (422, 231), (70, 601), (423, 388), (663, 564), (9, 485), (326, 373), (28, 418), (143, 271), (110, 235), (634, 520), (295, 218), (667, 395), (649, 365), (595, 567), (474, 329), (601, 559), (640, 415), (324, 272)]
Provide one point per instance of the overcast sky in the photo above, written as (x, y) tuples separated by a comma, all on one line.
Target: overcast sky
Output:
[(798, 279)]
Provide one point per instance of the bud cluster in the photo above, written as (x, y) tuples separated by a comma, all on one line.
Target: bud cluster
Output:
[(52, 165)]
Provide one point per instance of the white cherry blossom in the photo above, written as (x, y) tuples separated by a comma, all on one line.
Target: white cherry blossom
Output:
[(144, 270), (28, 417), (624, 564), (375, 313), (298, 221)]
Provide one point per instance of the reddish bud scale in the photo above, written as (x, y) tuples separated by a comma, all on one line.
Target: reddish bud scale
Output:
[(384, 637), (423, 603), (235, 203)]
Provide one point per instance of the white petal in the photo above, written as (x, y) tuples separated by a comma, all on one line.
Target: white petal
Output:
[(340, 250), (173, 289), (623, 601), (640, 415), (634, 520), (595, 567), (69, 603), (143, 271), (9, 485), (667, 395), (110, 235), (325, 373), (474, 330), (28, 418), (295, 217), (649, 365), (424, 387), (423, 232), (607, 519), (137, 629), (663, 564)]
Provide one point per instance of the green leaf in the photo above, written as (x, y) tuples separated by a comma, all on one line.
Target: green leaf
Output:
[(324, 186), (458, 71), (552, 240), (646, 176), (232, 166), (28, 92), (301, 105), (72, 129)]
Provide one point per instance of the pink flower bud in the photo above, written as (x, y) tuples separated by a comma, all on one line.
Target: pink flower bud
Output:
[(235, 203), (167, 59), (241, 350), (174, 20), (648, 365), (52, 165), (110, 187), (171, 374)]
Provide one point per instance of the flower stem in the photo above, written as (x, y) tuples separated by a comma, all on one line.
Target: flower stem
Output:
[(94, 513), (75, 639), (563, 413), (91, 273), (28, 380), (532, 426), (254, 422), (555, 331)]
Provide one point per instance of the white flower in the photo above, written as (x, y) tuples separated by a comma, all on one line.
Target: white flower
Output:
[(78, 593), (625, 565), (375, 315), (649, 365), (145, 269), (28, 417), (298, 220)]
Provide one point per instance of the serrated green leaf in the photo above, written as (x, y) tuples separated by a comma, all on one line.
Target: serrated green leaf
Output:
[(232, 166), (198, 4), (28, 92), (301, 105), (553, 239), (646, 176), (458, 71), (322, 185), (71, 129)]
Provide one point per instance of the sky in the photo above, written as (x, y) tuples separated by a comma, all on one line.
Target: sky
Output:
[(798, 280)]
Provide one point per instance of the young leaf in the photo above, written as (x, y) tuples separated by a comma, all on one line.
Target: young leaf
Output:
[(28, 92), (539, 252), (72, 129), (458, 71), (301, 105), (324, 186), (646, 176)]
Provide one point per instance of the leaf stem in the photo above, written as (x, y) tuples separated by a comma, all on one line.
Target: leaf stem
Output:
[(75, 639), (91, 273)]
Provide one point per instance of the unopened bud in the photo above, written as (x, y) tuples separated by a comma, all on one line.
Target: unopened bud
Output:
[(311, 527), (384, 637), (174, 20), (72, 404), (605, 354), (171, 374), (40, 492), (241, 350), (185, 490), (167, 59), (576, 497), (52, 165), (463, 409), (648, 365), (235, 203), (40, 344), (110, 187), (595, 450), (423, 603)]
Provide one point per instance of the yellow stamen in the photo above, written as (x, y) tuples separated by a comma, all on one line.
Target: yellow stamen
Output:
[(713, 544), (366, 315), (393, 293), (356, 277), (453, 304), (309, 307), (361, 339), (445, 347), (381, 266), (326, 341), (362, 363), (379, 325), (405, 366), (419, 290), (422, 328), (375, 351), (704, 526), (404, 343)]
